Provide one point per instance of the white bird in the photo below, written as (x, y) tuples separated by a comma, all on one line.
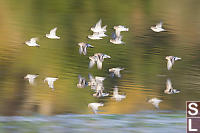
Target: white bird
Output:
[(52, 34), (171, 60), (116, 95), (116, 71), (83, 47), (169, 89), (95, 106), (96, 83), (158, 27), (155, 102), (31, 78), (32, 42), (95, 36), (98, 28), (97, 58), (99, 91), (116, 39), (82, 82), (100, 59), (50, 81), (120, 28)]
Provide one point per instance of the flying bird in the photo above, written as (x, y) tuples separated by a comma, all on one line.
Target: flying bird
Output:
[(158, 27), (155, 102), (82, 82), (31, 78), (95, 106), (116, 95), (98, 59), (32, 42), (169, 89), (171, 60), (116, 71), (120, 28), (50, 81), (83, 47), (52, 34)]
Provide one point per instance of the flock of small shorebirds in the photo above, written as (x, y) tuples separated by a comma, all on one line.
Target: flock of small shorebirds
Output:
[(96, 83)]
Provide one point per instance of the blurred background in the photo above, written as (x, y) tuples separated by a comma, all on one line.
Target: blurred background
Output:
[(142, 56)]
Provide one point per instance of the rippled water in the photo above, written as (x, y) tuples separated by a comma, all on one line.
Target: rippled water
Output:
[(143, 57), (140, 123)]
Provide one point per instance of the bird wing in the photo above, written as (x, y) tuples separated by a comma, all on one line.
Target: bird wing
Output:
[(50, 83), (106, 56), (84, 50), (177, 58), (91, 78), (80, 49), (98, 24), (156, 104), (33, 40), (104, 28), (53, 31), (99, 64), (159, 25), (91, 64), (169, 64), (168, 84), (117, 73), (31, 81), (80, 79)]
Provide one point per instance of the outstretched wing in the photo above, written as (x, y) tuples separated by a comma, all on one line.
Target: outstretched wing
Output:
[(53, 31), (159, 25), (99, 64), (106, 56), (80, 50), (84, 50), (98, 24), (31, 81), (50, 83), (91, 78), (169, 65), (104, 28), (168, 84), (91, 64), (117, 73)]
